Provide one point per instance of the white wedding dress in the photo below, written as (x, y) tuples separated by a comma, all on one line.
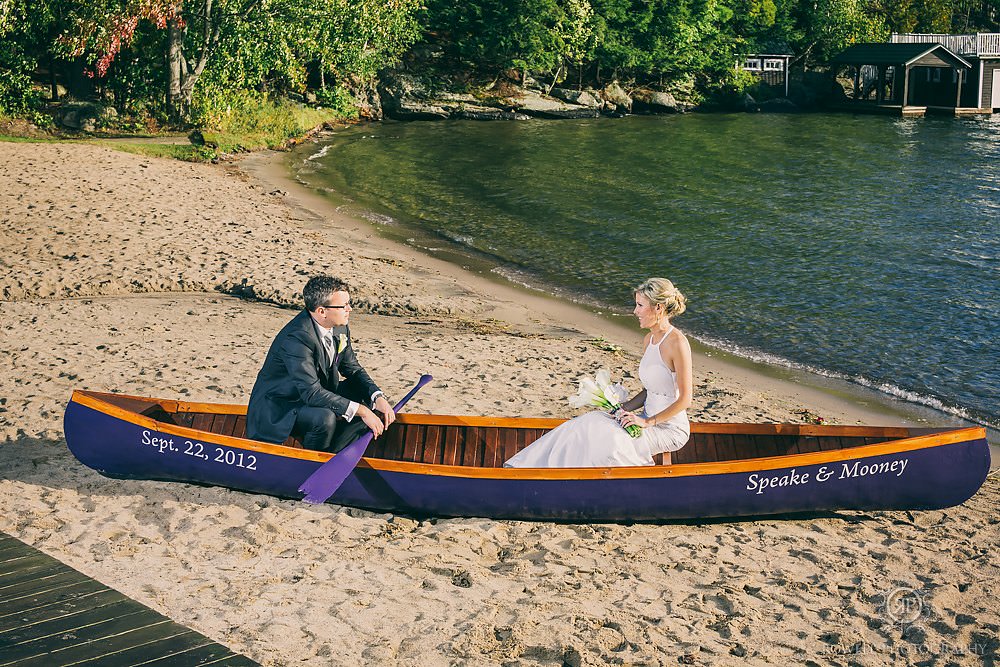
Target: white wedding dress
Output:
[(597, 440)]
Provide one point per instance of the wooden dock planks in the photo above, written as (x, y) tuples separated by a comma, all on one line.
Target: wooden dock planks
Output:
[(52, 616)]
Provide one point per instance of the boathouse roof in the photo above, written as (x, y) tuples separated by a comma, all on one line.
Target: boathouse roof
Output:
[(929, 54)]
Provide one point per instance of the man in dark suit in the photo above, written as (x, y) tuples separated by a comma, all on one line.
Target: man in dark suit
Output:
[(299, 390)]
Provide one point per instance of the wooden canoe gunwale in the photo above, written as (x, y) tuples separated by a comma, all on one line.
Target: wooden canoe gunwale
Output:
[(103, 402)]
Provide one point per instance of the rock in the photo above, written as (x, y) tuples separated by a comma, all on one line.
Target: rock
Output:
[(82, 116), (108, 114), (457, 98), (367, 99), (611, 110), (409, 109), (464, 105), (200, 138), (71, 120), (651, 101), (779, 105), (61, 91), (404, 98), (488, 113), (531, 84), (616, 95), (582, 97), (535, 104)]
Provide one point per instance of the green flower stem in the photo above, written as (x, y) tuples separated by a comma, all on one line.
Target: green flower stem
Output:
[(633, 430)]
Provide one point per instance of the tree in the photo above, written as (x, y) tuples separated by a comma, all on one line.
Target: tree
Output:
[(246, 44)]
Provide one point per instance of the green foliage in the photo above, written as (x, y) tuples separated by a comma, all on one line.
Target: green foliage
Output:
[(338, 100), (243, 120), (225, 63), (496, 35)]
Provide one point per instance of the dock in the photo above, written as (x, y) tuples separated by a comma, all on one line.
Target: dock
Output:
[(54, 616)]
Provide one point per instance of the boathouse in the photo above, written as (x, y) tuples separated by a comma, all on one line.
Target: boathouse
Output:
[(771, 69), (916, 74)]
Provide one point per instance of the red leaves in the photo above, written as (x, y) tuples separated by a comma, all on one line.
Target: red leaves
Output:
[(120, 29)]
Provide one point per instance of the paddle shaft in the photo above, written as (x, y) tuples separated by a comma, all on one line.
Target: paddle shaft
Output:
[(326, 479)]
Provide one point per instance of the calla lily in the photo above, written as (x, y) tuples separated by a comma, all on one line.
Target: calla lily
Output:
[(603, 378), (616, 394), (587, 394), (341, 343), (600, 393)]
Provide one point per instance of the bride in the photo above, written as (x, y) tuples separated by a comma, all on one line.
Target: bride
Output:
[(598, 439)]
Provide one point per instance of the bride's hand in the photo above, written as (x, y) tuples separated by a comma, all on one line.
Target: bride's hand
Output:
[(628, 418)]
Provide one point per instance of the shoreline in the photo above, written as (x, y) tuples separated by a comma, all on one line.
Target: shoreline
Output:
[(845, 401)]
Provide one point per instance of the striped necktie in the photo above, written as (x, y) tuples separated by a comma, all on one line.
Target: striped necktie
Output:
[(328, 344)]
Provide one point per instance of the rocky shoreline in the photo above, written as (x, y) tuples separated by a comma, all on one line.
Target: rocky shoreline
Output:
[(405, 98)]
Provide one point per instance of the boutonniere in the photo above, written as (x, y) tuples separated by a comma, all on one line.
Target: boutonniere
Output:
[(341, 343)]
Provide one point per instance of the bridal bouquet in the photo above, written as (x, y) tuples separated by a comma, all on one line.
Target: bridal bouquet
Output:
[(600, 393)]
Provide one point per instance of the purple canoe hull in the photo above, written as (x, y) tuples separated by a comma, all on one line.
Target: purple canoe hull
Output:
[(925, 477)]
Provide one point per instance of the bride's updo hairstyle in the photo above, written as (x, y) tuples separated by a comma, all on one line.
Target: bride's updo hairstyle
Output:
[(662, 291)]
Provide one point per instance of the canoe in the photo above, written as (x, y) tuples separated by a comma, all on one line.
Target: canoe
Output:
[(440, 465)]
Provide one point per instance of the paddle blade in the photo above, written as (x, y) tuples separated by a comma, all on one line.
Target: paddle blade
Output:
[(325, 481)]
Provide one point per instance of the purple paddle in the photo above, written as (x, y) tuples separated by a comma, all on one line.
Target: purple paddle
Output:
[(323, 483)]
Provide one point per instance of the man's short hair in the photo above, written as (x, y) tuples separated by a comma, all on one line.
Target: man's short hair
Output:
[(318, 290)]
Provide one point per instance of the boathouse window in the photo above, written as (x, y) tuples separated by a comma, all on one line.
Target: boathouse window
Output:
[(772, 65), (752, 64)]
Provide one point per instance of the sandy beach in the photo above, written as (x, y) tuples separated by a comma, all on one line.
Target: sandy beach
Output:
[(161, 278)]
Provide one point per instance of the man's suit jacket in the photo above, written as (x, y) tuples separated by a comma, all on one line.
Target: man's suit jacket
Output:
[(297, 373)]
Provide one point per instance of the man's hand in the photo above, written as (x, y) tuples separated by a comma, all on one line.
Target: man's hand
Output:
[(382, 405), (371, 420)]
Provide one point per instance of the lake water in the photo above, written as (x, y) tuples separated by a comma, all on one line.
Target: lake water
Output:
[(865, 248)]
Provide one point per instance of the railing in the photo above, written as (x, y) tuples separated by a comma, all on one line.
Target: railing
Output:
[(988, 44), (963, 45), (980, 44)]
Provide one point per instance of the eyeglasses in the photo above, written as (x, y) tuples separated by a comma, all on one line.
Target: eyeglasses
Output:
[(330, 306)]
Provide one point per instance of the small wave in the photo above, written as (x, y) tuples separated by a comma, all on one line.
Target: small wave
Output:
[(518, 278), (921, 399), (378, 218), (461, 239), (892, 390), (320, 154)]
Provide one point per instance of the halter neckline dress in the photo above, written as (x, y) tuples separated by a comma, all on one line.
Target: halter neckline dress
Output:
[(597, 440)]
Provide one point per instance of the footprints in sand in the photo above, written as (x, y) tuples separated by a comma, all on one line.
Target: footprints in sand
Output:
[(258, 572)]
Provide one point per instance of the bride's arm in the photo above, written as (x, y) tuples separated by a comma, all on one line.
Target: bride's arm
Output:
[(635, 402)]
